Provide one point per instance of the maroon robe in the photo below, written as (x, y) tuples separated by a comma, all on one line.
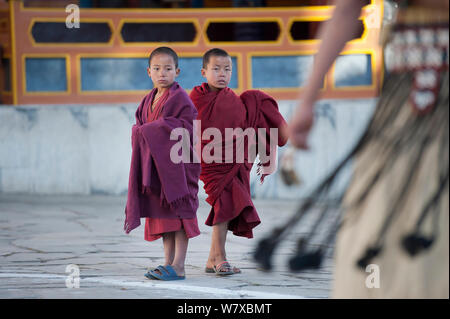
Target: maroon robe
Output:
[(158, 187)]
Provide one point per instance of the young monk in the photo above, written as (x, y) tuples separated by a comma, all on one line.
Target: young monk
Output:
[(161, 190), (228, 184)]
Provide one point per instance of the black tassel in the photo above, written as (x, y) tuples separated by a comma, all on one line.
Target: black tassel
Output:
[(263, 254), (309, 260), (370, 254), (415, 243), (264, 250)]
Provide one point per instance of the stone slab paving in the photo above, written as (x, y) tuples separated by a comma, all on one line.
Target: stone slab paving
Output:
[(41, 235)]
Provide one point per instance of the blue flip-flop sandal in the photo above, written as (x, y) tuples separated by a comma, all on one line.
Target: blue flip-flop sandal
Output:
[(150, 273), (167, 274)]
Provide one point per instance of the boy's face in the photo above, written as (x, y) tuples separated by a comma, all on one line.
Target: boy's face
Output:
[(218, 72), (162, 71)]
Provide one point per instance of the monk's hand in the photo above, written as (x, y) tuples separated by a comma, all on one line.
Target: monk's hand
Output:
[(301, 124)]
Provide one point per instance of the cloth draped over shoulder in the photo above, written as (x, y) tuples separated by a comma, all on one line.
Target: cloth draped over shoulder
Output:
[(227, 183), (152, 170)]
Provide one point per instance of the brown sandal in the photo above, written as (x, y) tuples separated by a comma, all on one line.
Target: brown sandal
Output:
[(211, 270), (223, 269)]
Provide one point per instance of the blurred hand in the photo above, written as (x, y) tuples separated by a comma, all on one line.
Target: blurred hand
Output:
[(301, 124)]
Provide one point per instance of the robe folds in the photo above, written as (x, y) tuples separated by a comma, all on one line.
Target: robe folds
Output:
[(227, 184), (159, 187)]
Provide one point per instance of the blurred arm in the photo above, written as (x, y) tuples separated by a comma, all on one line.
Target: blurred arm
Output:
[(335, 33)]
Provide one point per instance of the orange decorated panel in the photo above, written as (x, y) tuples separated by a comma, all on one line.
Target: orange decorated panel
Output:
[(202, 29)]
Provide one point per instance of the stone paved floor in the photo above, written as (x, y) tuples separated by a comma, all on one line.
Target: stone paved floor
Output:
[(41, 235)]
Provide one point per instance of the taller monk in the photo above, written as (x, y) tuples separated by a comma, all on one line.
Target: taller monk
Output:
[(227, 178)]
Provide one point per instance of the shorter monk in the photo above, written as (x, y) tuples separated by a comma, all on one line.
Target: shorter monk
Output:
[(160, 189)]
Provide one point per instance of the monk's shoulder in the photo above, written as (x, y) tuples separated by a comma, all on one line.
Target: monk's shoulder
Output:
[(257, 94), (197, 88), (140, 109), (180, 94), (183, 100)]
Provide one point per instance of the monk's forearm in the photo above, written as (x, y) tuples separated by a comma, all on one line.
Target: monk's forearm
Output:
[(334, 34)]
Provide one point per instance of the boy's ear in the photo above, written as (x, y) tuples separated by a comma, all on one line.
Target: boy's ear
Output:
[(177, 72), (148, 72), (203, 72)]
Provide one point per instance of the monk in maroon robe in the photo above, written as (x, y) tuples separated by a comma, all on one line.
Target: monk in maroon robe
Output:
[(226, 183), (161, 188)]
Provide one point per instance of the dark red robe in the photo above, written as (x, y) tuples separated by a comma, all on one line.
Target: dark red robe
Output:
[(228, 184)]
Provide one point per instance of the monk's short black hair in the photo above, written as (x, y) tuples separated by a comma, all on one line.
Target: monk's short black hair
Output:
[(164, 50), (213, 52)]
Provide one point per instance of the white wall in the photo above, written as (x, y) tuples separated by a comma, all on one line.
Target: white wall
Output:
[(86, 149)]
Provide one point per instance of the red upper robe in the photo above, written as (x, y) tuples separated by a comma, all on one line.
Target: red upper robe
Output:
[(228, 184)]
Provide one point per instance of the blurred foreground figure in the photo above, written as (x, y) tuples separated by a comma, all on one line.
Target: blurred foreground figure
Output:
[(393, 236)]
